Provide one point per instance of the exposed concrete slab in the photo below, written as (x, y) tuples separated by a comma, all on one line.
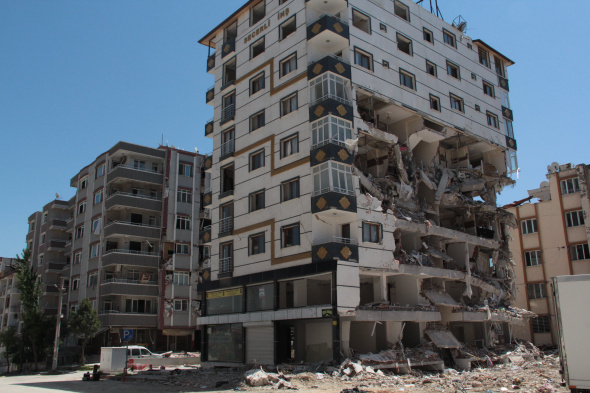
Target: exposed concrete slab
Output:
[(398, 315)]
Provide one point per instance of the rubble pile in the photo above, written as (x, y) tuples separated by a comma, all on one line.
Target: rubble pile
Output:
[(399, 355)]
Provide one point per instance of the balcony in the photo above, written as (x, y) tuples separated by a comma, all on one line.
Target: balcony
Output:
[(209, 127), (207, 198), (205, 234), (208, 161), (330, 104), (69, 225), (226, 267), (30, 236), (111, 318), (57, 224), (226, 226), (227, 150), (329, 32), (228, 47), (211, 62), (333, 198), (205, 214), (68, 247), (332, 63), (503, 83), (125, 228), (335, 248), (332, 6), (330, 150), (131, 258), (54, 267), (121, 286), (125, 199), (129, 172), (56, 245), (210, 95), (228, 114)]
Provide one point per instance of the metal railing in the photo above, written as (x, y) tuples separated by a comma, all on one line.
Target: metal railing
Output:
[(135, 168), (336, 239), (345, 22), (332, 96), (159, 199), (228, 112), (207, 228), (333, 189), (122, 251), (137, 224), (111, 311), (129, 281), (226, 264), (332, 140), (333, 56), (226, 224), (227, 148)]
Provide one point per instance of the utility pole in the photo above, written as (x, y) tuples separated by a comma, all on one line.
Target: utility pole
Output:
[(58, 325)]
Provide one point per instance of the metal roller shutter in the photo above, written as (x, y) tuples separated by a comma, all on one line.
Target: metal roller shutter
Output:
[(260, 345)]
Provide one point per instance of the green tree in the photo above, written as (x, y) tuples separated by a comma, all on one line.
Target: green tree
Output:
[(84, 323), (29, 284), (10, 340)]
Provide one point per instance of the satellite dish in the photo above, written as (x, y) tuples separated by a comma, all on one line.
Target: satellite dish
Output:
[(57, 196), (196, 150), (462, 26), (544, 184), (554, 167)]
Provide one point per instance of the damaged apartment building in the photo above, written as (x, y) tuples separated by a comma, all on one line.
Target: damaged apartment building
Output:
[(358, 150)]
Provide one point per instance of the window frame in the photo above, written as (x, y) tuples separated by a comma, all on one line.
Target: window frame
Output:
[(537, 290), (287, 104), (574, 218), (492, 120), (490, 88), (397, 3), (259, 117), (580, 249), (253, 10), (528, 226), (330, 129), (402, 38), (485, 59), (185, 169), (362, 53), (564, 185), (541, 324), (252, 160), (296, 234), (253, 201), (508, 128), (293, 186), (364, 18), (180, 305), (288, 140), (436, 99), (337, 175), (433, 66), (452, 36), (533, 258), (426, 32), (98, 194), (454, 97), (94, 251), (180, 248), (184, 278), (184, 196), (451, 66), (260, 80), (258, 43), (281, 27), (260, 239), (94, 224), (367, 232), (183, 223), (405, 75), (288, 60), (100, 171)]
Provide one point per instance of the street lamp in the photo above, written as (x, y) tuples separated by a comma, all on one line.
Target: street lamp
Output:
[(61, 290)]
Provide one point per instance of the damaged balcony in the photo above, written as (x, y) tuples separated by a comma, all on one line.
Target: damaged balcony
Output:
[(335, 248), (205, 235)]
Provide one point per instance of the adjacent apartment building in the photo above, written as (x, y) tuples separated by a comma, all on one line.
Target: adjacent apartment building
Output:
[(551, 240), (9, 295), (128, 241), (358, 149)]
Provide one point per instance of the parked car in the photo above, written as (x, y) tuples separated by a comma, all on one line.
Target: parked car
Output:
[(138, 352)]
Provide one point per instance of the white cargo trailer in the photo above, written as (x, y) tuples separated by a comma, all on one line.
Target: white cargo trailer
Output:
[(571, 295), (112, 359)]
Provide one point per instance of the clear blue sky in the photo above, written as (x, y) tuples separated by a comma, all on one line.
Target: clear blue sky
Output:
[(78, 76)]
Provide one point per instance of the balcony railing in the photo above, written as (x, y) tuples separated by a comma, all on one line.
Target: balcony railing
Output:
[(333, 189), (129, 281), (334, 17), (134, 167), (228, 113), (332, 56), (335, 248), (153, 198), (131, 223), (336, 239), (226, 265), (331, 96), (226, 225), (122, 251), (135, 172), (227, 148)]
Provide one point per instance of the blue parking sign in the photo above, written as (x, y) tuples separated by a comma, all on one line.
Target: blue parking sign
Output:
[(127, 334)]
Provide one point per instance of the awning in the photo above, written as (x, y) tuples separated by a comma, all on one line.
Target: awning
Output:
[(440, 298), (443, 339)]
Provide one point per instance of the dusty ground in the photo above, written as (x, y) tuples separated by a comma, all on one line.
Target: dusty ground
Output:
[(534, 376)]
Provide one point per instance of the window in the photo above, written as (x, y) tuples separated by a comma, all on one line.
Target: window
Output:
[(484, 57), (477, 108), (180, 305), (290, 190), (43, 238), (137, 164), (532, 258), (453, 70), (492, 120), (290, 236), (76, 284), (98, 197), (183, 249), (84, 183), (95, 225), (260, 297), (185, 170), (100, 171), (227, 180), (257, 48), (330, 129), (570, 186), (44, 218), (257, 83), (434, 103), (508, 128), (401, 10), (361, 21), (155, 167), (327, 86), (536, 291), (229, 72), (289, 104), (579, 252), (427, 34), (288, 65), (449, 38), (257, 200), (226, 257), (184, 196), (183, 222), (363, 59), (257, 121), (287, 28), (289, 146), (257, 160), (406, 79), (574, 219), (91, 279), (133, 275), (541, 324), (385, 64), (181, 278), (473, 76), (488, 89), (404, 44), (332, 176), (77, 258), (40, 260), (456, 103), (371, 232), (528, 226), (81, 207), (138, 306), (257, 12), (256, 244), (431, 68), (499, 67), (80, 232), (382, 27), (94, 250)]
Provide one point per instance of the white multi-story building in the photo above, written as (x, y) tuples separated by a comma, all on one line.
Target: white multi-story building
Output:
[(358, 149)]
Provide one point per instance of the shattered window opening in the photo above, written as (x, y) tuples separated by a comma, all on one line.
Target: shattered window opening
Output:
[(570, 186), (332, 176), (328, 86), (330, 129)]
